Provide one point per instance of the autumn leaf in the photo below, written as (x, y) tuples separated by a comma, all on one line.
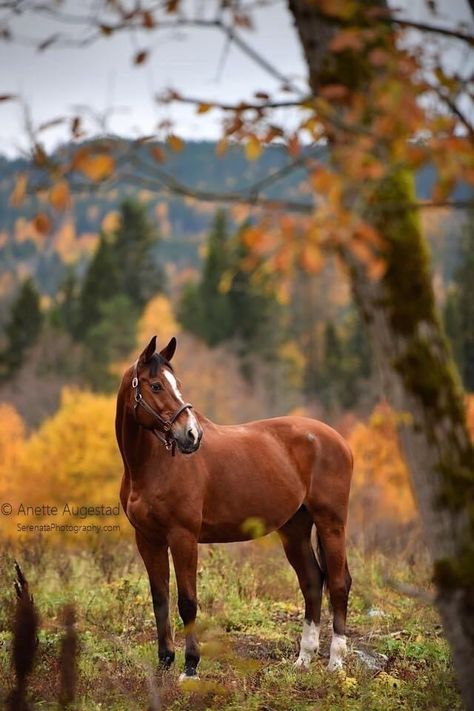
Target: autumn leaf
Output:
[(221, 147), (294, 146), (379, 57), (148, 20), (76, 126), (311, 258), (60, 196), (42, 223), (96, 167), (334, 92), (346, 39), (204, 108), (157, 153), (253, 148), (172, 6), (175, 143), (40, 157), (19, 191), (343, 9), (322, 180), (141, 57)]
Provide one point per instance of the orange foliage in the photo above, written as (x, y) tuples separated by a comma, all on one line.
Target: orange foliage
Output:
[(381, 486)]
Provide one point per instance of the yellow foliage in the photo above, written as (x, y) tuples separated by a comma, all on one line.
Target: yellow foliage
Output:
[(71, 459), (95, 167), (60, 195), (158, 318), (111, 221), (66, 243), (253, 148)]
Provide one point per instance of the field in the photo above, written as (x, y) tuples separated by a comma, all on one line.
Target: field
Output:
[(249, 620)]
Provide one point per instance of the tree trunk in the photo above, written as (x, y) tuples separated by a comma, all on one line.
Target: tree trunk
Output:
[(419, 379)]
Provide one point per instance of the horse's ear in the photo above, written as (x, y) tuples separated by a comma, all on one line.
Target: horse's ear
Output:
[(147, 354), (168, 352)]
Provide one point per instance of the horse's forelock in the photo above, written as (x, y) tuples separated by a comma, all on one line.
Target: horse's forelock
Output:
[(157, 361)]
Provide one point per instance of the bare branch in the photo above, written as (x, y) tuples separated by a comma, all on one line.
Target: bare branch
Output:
[(241, 106), (433, 29)]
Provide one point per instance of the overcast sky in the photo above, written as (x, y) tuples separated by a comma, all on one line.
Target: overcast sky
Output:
[(102, 75)]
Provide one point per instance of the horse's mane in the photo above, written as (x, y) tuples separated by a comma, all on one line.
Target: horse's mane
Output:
[(156, 362)]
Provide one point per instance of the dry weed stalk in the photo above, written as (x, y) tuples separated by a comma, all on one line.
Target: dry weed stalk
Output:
[(68, 658), (25, 642)]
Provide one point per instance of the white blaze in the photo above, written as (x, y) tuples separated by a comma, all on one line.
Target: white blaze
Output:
[(192, 426), (309, 644)]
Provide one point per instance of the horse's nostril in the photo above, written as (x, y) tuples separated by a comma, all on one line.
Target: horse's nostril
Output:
[(191, 434)]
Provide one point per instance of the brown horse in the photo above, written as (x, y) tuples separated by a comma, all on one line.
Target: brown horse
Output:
[(290, 473)]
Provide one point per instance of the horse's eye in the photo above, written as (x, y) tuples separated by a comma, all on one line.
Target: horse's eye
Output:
[(156, 387)]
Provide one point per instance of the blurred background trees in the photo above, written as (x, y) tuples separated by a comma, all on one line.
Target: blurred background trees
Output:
[(321, 249)]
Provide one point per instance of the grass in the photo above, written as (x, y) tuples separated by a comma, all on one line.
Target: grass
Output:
[(249, 625)]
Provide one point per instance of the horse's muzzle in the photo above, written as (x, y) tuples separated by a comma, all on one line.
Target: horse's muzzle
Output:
[(189, 442)]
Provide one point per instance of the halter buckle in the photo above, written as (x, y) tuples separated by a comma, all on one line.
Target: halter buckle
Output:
[(135, 382)]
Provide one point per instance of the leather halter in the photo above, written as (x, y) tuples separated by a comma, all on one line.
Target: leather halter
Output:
[(165, 434)]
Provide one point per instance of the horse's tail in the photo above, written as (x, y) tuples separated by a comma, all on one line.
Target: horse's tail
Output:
[(319, 554)]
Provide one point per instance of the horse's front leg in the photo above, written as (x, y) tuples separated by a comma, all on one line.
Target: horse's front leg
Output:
[(184, 549), (156, 561)]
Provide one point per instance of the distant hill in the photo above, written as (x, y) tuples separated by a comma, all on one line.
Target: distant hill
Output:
[(182, 222)]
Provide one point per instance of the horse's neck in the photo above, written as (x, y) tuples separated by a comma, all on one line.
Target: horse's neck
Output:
[(135, 443)]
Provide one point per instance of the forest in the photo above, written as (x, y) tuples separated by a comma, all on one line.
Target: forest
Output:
[(313, 263)]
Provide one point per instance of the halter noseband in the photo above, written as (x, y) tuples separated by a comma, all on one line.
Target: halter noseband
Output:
[(165, 435)]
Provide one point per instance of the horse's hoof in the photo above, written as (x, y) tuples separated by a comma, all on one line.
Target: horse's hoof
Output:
[(302, 662), (335, 665), (167, 660), (188, 677)]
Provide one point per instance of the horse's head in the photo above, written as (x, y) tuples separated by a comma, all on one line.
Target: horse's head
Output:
[(158, 403)]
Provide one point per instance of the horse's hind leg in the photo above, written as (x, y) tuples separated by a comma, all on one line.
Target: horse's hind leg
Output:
[(333, 543), (296, 539)]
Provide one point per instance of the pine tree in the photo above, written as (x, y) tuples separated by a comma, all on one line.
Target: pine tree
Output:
[(135, 244), (23, 327), (204, 309), (108, 340), (65, 314), (102, 283), (332, 366), (215, 302)]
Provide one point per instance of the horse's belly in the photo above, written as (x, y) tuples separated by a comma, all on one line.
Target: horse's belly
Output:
[(246, 529), (243, 508)]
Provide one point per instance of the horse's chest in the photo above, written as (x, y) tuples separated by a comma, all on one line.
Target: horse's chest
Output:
[(146, 512), (159, 512)]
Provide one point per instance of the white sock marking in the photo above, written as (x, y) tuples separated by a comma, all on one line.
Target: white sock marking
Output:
[(309, 644), (337, 652), (185, 677)]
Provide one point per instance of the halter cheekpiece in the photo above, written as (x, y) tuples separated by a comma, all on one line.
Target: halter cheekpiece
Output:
[(164, 434)]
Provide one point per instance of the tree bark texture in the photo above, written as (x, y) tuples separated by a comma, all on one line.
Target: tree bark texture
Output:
[(416, 368)]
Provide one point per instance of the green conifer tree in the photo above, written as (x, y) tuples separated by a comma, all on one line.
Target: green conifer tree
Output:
[(101, 283), (23, 328), (136, 241)]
